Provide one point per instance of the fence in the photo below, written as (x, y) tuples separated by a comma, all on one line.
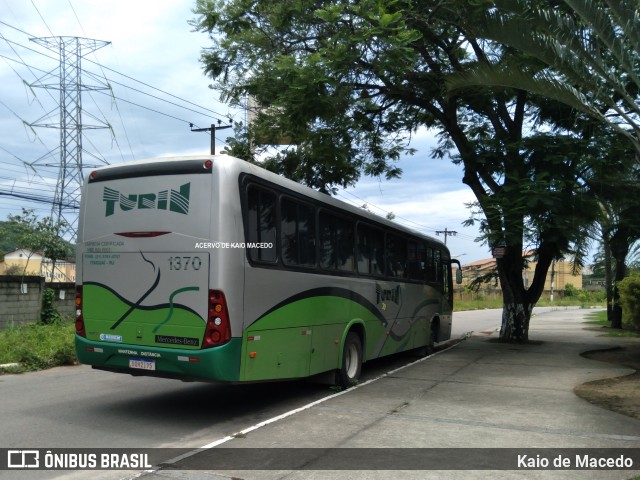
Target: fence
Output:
[(21, 299)]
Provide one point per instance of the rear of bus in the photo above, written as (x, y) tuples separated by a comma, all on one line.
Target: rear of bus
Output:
[(146, 301)]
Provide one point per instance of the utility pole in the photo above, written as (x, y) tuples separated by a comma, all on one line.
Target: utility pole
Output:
[(211, 129), (553, 275), (68, 81), (447, 233)]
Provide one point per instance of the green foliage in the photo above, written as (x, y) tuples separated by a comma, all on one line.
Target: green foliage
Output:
[(345, 84), (39, 235), (8, 240), (480, 300), (49, 313), (601, 319), (38, 346), (629, 289), (587, 56), (570, 291)]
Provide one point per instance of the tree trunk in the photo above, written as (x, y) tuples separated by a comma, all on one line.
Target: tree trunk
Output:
[(608, 276), (518, 301), (620, 250), (616, 314), (515, 322)]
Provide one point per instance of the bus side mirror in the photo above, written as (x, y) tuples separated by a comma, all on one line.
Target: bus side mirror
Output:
[(458, 270)]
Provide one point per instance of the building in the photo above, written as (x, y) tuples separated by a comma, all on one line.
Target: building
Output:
[(26, 262), (560, 273)]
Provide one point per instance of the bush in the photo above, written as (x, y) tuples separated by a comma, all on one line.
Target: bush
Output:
[(49, 314), (629, 290), (570, 290), (36, 346)]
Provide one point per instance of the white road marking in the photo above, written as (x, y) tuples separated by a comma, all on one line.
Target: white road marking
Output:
[(277, 418)]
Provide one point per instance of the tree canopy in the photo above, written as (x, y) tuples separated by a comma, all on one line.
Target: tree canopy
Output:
[(38, 235), (349, 83), (588, 54)]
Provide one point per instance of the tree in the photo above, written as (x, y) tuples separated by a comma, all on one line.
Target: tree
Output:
[(39, 235), (614, 180), (588, 53), (349, 82), (620, 231)]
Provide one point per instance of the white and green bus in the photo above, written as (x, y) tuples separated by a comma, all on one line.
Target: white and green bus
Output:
[(211, 268)]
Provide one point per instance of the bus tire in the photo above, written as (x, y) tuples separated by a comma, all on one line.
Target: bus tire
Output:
[(433, 335), (349, 372)]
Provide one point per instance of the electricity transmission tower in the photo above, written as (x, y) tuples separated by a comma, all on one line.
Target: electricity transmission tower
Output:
[(69, 82)]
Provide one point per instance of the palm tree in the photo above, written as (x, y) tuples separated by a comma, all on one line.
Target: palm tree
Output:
[(588, 53)]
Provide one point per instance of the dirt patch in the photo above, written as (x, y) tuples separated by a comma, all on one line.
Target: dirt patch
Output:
[(621, 394)]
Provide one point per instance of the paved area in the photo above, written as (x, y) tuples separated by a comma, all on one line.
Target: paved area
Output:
[(478, 394)]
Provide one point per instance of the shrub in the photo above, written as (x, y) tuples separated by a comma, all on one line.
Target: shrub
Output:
[(629, 290), (570, 290), (49, 314), (37, 346)]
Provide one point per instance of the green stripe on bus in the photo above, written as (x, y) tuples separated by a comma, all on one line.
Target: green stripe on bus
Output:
[(102, 306), (304, 337)]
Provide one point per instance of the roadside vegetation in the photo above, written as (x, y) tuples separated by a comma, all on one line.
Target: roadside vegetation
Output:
[(570, 297), (49, 343), (37, 346), (598, 321)]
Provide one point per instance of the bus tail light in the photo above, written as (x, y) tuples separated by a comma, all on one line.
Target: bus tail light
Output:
[(79, 318), (218, 330)]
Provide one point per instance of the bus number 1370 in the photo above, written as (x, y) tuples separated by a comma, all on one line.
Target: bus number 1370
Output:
[(185, 263)]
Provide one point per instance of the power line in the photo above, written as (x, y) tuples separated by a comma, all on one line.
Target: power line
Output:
[(147, 94), (163, 91), (216, 114), (413, 223), (42, 18), (148, 108)]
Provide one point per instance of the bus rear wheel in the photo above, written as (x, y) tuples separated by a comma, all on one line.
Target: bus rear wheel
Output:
[(349, 372)]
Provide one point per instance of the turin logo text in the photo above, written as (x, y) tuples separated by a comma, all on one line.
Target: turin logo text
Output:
[(172, 200)]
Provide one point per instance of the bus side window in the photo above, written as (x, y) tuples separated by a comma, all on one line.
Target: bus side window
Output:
[(434, 271), (370, 250), (396, 256), (298, 233), (416, 262), (336, 243), (261, 206), (437, 263), (445, 268)]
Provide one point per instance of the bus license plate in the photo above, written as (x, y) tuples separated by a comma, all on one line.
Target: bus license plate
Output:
[(142, 364)]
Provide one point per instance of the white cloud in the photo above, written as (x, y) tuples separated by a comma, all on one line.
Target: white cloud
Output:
[(152, 42)]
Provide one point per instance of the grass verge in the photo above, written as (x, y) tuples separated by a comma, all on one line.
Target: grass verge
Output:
[(598, 321), (481, 304), (37, 346)]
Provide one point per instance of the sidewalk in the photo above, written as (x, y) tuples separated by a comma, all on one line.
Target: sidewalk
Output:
[(478, 394)]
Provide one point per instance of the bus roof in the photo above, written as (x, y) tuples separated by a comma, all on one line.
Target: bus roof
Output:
[(238, 166)]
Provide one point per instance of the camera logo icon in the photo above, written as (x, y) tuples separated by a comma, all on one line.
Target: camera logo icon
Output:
[(23, 459)]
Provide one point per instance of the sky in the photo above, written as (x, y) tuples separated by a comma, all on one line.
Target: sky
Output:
[(158, 88)]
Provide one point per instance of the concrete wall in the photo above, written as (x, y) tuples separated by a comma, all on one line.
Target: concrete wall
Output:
[(20, 305)]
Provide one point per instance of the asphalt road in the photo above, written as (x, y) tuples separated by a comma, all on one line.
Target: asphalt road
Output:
[(486, 321), (80, 407)]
